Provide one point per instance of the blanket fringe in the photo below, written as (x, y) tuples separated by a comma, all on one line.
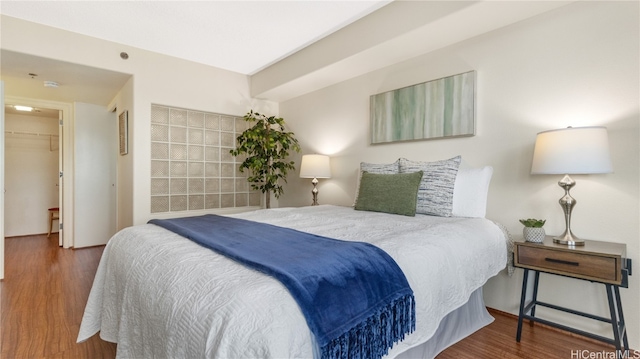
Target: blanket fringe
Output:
[(372, 338)]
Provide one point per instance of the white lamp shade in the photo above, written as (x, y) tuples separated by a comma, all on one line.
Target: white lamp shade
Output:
[(315, 166), (579, 150)]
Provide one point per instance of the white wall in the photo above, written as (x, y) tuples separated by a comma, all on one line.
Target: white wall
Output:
[(31, 175), (2, 182), (124, 200), (184, 84), (578, 66)]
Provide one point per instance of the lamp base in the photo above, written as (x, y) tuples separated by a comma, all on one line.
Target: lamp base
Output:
[(567, 203), (569, 239), (314, 192)]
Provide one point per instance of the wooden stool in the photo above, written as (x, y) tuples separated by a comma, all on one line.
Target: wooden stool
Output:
[(54, 213)]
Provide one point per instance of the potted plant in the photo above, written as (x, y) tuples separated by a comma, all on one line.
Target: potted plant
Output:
[(533, 229), (267, 145)]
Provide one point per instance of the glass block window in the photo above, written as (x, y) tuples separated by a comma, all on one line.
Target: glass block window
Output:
[(191, 167)]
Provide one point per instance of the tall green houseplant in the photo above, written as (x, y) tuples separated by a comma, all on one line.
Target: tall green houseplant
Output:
[(267, 145)]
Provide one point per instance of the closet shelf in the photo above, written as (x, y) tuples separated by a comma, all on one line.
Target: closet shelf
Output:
[(30, 133)]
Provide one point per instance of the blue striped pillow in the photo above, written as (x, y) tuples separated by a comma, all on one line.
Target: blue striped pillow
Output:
[(435, 194)]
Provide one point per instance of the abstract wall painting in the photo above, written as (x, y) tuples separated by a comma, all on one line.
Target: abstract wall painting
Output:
[(434, 109)]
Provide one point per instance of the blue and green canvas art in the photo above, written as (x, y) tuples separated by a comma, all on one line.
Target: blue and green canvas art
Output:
[(434, 109)]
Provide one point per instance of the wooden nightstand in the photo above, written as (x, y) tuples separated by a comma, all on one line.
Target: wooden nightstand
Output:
[(601, 262)]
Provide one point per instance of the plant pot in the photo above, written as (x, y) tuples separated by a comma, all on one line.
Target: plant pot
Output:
[(532, 234)]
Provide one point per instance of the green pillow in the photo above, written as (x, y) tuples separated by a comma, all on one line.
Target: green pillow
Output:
[(389, 193)]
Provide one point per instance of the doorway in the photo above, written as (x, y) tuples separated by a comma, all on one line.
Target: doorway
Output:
[(65, 150), (33, 161), (87, 175), (81, 84)]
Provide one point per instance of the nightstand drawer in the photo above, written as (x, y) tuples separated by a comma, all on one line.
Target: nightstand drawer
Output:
[(587, 266)]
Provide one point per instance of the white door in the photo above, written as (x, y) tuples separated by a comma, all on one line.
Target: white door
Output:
[(96, 150)]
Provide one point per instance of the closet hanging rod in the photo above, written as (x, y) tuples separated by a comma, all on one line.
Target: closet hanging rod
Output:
[(30, 133)]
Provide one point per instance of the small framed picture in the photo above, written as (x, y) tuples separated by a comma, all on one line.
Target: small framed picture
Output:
[(123, 131)]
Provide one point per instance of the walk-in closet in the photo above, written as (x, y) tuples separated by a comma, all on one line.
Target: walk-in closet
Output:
[(31, 171)]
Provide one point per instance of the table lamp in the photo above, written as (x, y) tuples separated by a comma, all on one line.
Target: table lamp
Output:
[(315, 166), (572, 150)]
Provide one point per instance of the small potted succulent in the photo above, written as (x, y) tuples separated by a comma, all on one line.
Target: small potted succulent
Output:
[(533, 231)]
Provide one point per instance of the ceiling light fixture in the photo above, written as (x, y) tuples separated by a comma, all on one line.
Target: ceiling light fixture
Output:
[(23, 108), (52, 84)]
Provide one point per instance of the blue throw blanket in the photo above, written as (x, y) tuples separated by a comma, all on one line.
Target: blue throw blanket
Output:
[(355, 298)]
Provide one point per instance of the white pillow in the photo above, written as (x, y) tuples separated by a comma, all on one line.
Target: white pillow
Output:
[(471, 190)]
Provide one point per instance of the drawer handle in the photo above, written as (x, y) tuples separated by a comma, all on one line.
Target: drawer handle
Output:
[(562, 262)]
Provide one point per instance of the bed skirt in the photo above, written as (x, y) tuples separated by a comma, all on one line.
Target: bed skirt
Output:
[(454, 327)]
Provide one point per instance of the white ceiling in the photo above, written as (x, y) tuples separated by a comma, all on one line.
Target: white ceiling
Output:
[(273, 41), (26, 74), (241, 36)]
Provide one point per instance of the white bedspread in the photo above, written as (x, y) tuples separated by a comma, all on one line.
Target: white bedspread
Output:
[(160, 295)]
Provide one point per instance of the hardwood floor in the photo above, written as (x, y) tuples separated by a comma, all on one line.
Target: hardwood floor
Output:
[(43, 296), (45, 290), (497, 340)]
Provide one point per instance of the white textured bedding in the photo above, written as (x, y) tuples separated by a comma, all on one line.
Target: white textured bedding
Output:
[(160, 295)]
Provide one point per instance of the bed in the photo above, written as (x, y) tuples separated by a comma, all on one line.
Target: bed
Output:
[(160, 295)]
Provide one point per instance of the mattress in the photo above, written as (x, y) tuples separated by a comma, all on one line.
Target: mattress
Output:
[(160, 295)]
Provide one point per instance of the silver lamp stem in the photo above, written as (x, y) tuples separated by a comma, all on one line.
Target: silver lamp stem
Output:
[(567, 203), (314, 192)]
